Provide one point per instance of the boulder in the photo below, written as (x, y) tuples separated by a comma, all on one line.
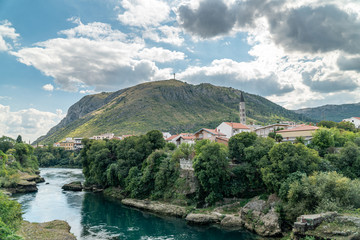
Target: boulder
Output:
[(73, 186), (232, 222), (260, 216), (25, 187), (156, 207), (203, 219)]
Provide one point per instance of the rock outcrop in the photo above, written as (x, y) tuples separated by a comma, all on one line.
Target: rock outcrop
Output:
[(232, 222), (328, 226), (203, 219), (54, 230), (260, 216), (73, 186), (156, 207)]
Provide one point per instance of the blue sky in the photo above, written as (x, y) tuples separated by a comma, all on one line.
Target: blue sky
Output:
[(297, 53)]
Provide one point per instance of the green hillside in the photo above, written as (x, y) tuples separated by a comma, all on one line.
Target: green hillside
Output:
[(334, 113), (169, 105)]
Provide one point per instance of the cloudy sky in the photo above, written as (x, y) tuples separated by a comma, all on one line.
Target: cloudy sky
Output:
[(297, 53)]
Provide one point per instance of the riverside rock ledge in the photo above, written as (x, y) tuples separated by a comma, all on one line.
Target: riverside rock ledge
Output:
[(156, 207)]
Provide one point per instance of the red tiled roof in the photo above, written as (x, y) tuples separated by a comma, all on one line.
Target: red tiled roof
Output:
[(223, 138), (171, 138), (237, 125), (188, 137), (358, 118), (214, 132), (299, 128)]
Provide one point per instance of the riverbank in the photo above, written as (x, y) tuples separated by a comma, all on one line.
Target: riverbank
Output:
[(256, 215), (54, 230)]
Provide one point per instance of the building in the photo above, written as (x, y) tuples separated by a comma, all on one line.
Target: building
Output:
[(354, 120), (103, 136), (210, 134), (190, 139), (175, 138), (242, 109), (265, 130), (305, 131), (77, 143), (68, 144), (166, 135), (230, 129)]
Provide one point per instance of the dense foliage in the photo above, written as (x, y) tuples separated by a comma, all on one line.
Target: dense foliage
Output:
[(19, 157), (145, 167), (57, 157), (10, 218)]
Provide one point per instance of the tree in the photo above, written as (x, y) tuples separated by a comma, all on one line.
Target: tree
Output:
[(272, 135), (211, 169), (278, 138), (284, 159), (322, 192), (327, 124), (322, 140), (348, 160), (19, 139), (300, 140), (238, 143)]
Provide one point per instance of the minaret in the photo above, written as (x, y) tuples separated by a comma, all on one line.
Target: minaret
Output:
[(242, 109)]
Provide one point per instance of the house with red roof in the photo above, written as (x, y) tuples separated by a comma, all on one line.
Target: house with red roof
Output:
[(354, 120), (187, 137), (305, 131), (230, 128), (211, 134)]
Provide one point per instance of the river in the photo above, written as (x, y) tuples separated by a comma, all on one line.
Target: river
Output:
[(93, 216)]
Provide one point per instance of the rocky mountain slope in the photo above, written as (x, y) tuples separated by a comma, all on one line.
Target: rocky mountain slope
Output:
[(169, 105), (332, 112)]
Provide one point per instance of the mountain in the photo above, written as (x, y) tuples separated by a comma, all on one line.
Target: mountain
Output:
[(168, 105), (334, 113)]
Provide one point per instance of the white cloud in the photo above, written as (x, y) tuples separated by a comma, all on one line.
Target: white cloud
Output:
[(165, 34), (29, 123), (160, 55), (144, 13), (48, 87), (94, 55), (7, 32)]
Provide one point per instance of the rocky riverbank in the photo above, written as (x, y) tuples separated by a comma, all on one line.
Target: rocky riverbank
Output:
[(257, 215), (54, 230), (329, 225), (26, 183)]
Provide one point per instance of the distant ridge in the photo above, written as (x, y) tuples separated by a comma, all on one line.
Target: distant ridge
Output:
[(169, 105), (334, 113)]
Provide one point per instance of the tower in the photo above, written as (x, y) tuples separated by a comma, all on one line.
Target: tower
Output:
[(242, 109)]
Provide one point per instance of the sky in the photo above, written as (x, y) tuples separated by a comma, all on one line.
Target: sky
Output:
[(296, 53)]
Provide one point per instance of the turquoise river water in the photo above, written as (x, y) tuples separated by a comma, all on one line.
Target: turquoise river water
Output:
[(93, 216)]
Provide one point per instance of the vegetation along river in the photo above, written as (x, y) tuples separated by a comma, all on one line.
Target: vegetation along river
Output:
[(92, 216)]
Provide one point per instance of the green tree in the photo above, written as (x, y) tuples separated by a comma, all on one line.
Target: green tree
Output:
[(284, 159), (10, 214), (211, 169), (322, 140), (348, 160), (321, 192), (278, 138), (238, 143), (300, 140), (19, 139), (327, 124)]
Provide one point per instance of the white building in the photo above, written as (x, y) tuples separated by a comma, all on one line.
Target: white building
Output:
[(354, 120), (265, 130), (103, 136), (230, 129)]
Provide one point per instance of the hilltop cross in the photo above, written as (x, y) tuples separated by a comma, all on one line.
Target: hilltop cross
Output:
[(174, 76)]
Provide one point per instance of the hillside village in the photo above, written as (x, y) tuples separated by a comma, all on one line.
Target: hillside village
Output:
[(289, 132)]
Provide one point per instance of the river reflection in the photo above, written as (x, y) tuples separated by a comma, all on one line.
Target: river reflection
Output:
[(92, 216)]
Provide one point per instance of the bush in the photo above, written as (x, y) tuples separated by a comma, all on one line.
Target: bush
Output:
[(323, 192), (10, 217)]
